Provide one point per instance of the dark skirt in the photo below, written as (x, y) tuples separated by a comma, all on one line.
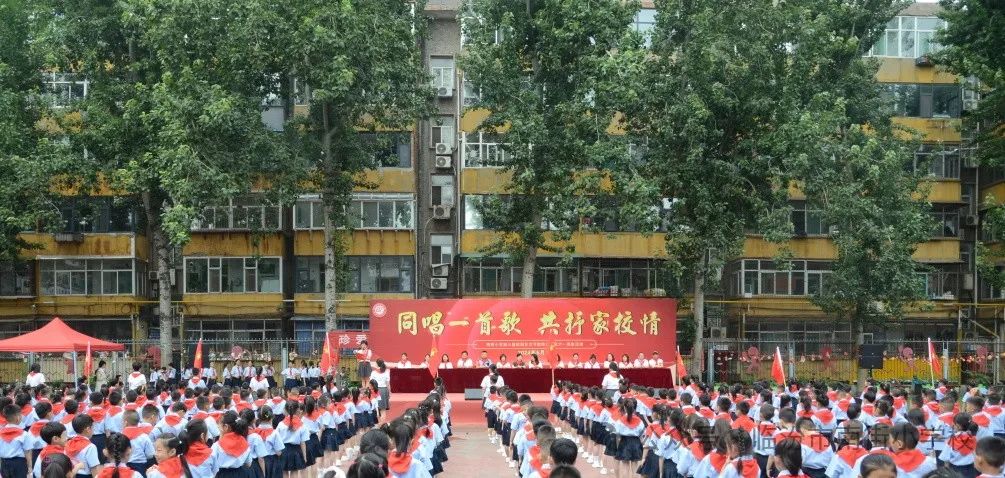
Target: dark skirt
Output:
[(611, 443), (762, 461), (556, 408), (490, 418), (505, 434), (314, 450), (670, 469), (99, 443), (242, 472), (140, 468), (343, 432), (273, 466), (965, 471), (277, 419), (16, 466), (293, 458), (363, 369), (815, 472), (291, 383), (629, 448), (329, 439), (650, 467), (256, 469)]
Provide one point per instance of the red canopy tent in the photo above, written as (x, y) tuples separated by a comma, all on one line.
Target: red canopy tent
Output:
[(57, 337)]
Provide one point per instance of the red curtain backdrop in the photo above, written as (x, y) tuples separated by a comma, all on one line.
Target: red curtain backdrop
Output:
[(524, 380)]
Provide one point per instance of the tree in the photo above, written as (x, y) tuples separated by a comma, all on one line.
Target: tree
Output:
[(974, 40), (364, 71), (552, 75), (30, 155), (173, 112)]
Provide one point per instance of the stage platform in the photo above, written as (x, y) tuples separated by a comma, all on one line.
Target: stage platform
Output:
[(465, 412)]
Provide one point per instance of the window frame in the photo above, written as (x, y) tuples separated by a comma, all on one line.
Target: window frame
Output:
[(89, 276), (244, 274)]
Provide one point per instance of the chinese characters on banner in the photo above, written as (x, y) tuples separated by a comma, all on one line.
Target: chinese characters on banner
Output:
[(346, 339), (512, 325)]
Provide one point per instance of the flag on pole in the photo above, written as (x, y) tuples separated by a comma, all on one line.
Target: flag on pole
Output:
[(88, 361), (933, 360), (681, 369), (433, 359), (326, 356), (197, 363), (551, 356), (777, 368)]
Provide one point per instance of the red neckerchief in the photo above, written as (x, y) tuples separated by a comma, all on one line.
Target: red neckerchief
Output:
[(26, 409), (201, 415), (9, 434), (993, 410), (963, 443), (851, 453), (744, 423), (750, 468), (717, 460), (399, 463), (816, 441), (293, 423), (235, 445), (924, 435), (140, 400), (824, 415), (133, 432), (171, 468), (898, 403), (108, 471), (868, 409), (766, 428), (724, 416), (981, 420), (57, 408), (197, 453), (277, 400), (263, 432), (76, 445), (36, 428), (843, 405), (697, 450), (634, 422), (68, 418), (908, 460), (707, 413), (172, 419), (48, 450), (131, 406)]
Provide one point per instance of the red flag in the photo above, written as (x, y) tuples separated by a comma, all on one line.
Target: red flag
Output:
[(777, 368), (681, 370), (326, 356), (551, 356), (434, 359), (197, 363), (933, 359), (88, 361)]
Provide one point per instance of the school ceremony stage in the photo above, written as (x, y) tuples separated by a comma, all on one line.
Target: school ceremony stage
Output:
[(525, 380)]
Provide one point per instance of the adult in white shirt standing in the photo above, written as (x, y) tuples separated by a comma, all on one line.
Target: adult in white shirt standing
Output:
[(35, 376), (209, 374), (382, 376), (404, 362), (136, 379), (465, 361), (612, 381)]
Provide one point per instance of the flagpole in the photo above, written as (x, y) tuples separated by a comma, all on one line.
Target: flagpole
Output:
[(931, 364)]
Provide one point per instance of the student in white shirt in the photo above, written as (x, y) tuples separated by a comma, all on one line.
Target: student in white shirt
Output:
[(612, 381), (35, 376), (404, 362), (259, 381), (209, 374), (155, 376), (136, 379), (465, 361), (492, 379)]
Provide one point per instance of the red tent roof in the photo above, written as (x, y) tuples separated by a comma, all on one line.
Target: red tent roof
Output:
[(56, 336)]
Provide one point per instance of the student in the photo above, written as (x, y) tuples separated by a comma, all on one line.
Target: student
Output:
[(715, 462), (990, 457), (294, 436), (369, 465), (172, 423), (15, 444), (232, 451), (43, 410), (117, 451), (911, 463), (272, 444), (80, 449), (959, 450), (698, 435), (57, 465), (35, 376), (142, 446), (53, 434), (817, 452), (788, 459), (99, 416), (741, 451), (399, 460), (763, 437), (136, 380), (843, 463), (170, 462), (198, 456), (878, 466)]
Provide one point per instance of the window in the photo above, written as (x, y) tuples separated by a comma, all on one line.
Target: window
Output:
[(366, 211), (492, 275), (310, 275), (232, 275), (252, 212), (623, 277), (17, 279), (472, 94), (925, 100), (762, 277), (380, 273), (252, 334), (64, 88), (442, 190), (940, 162), (484, 150), (87, 276), (487, 275), (98, 214), (472, 214), (443, 131), (808, 221), (442, 70), (940, 284), (441, 249), (391, 150), (908, 37), (947, 224), (644, 22)]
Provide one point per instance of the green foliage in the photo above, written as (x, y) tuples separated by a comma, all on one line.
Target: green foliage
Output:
[(553, 76)]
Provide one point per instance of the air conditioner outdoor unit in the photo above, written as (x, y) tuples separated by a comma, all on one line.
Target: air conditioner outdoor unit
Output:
[(443, 162), (972, 219), (968, 282), (441, 212), (438, 283), (923, 61), (717, 333), (444, 92), (68, 237), (441, 270), (444, 148)]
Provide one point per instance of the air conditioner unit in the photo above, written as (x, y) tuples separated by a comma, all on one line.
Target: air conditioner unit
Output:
[(971, 219), (68, 237), (717, 333), (443, 162), (924, 60), (444, 148), (441, 270), (438, 283), (748, 295), (444, 92), (441, 212), (152, 276), (968, 282)]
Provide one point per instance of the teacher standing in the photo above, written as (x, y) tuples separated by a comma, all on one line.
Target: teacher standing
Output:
[(383, 378), (363, 356)]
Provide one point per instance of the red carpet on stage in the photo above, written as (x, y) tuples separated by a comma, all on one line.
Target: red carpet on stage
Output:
[(464, 412)]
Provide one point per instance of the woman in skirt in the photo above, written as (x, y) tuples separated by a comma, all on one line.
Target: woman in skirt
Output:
[(294, 435), (629, 428), (382, 380), (255, 443), (363, 357)]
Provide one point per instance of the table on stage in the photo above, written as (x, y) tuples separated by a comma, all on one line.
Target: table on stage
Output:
[(524, 380)]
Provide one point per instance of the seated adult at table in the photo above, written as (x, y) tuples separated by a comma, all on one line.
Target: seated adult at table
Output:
[(445, 362), (503, 362), (574, 363), (656, 361), (535, 362), (484, 360), (465, 361), (592, 362), (640, 361), (425, 362), (609, 359), (404, 362), (518, 361), (625, 362), (558, 362)]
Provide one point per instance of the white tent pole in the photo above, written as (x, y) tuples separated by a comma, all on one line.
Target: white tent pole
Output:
[(74, 369)]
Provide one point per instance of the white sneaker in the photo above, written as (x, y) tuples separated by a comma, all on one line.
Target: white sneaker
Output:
[(589, 459), (512, 464), (603, 471), (596, 464), (585, 454)]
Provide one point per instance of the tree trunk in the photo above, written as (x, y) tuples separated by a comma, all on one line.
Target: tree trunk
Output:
[(529, 263), (162, 262), (332, 248), (863, 374), (698, 313)]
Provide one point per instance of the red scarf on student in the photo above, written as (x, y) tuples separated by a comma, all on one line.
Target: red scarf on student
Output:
[(172, 419), (107, 472), (235, 445), (171, 468), (292, 422), (263, 432), (908, 460), (718, 460), (398, 462), (9, 434), (851, 453), (198, 453), (963, 443), (48, 450), (133, 432), (36, 428), (76, 445)]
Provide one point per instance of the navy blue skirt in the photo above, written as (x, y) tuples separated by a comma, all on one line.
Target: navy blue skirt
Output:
[(293, 458), (329, 439), (242, 472), (16, 466), (256, 469), (610, 443), (99, 443), (343, 432), (556, 408), (314, 450), (965, 471), (490, 418), (629, 449), (273, 466), (650, 467), (140, 468)]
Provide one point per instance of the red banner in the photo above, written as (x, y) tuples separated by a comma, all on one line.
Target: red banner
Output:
[(512, 325), (346, 339)]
